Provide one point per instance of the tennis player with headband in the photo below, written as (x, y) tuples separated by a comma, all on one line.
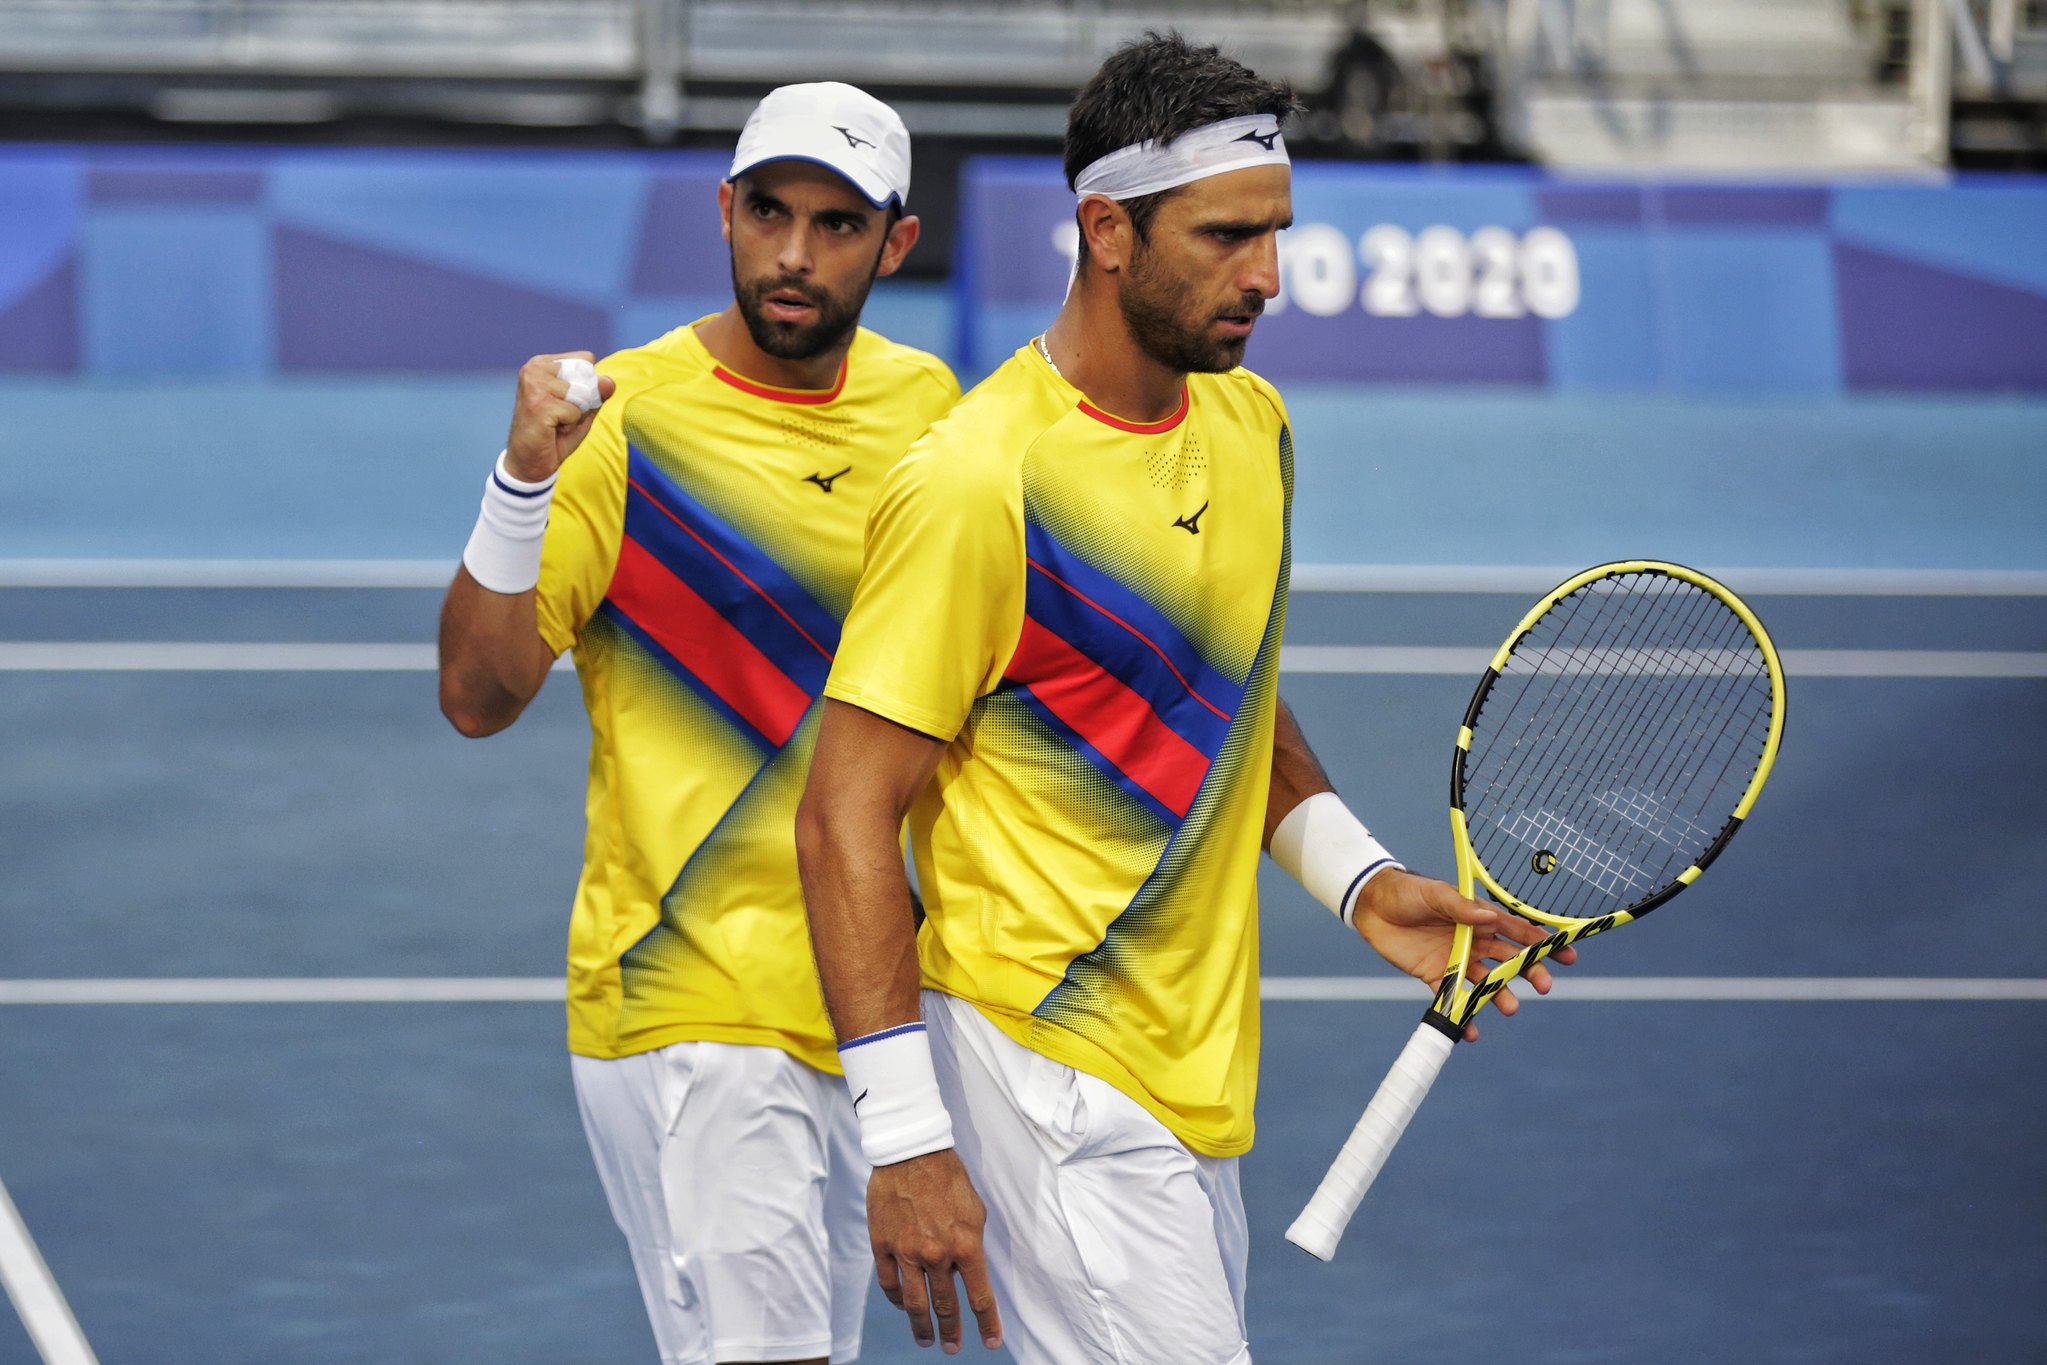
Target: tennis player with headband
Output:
[(1061, 663)]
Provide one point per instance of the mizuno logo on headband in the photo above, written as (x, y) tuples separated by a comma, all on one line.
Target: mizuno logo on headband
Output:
[(1212, 149)]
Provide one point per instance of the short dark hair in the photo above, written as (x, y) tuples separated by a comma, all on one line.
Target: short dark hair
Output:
[(1154, 88)]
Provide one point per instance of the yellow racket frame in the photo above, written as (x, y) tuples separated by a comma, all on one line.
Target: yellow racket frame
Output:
[(1459, 997)]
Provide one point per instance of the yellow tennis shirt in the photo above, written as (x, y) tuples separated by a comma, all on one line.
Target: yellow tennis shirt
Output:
[(1090, 611), (701, 549)]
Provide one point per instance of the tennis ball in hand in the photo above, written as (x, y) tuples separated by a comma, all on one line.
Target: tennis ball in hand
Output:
[(582, 377)]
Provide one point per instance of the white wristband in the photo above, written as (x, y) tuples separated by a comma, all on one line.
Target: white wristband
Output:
[(504, 549), (895, 1095), (1325, 848)]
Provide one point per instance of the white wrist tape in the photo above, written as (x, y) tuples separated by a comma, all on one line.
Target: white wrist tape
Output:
[(504, 549), (1324, 848), (895, 1095)]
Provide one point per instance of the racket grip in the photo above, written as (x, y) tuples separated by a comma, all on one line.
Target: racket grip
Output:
[(1321, 1224)]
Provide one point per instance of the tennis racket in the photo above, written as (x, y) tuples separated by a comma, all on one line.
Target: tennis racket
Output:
[(1613, 747)]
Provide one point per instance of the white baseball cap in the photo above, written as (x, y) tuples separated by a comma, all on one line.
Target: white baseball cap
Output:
[(836, 126)]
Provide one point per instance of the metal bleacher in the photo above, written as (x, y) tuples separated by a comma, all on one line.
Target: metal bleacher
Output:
[(1700, 84), (972, 66), (1998, 99), (1735, 83), (1776, 84)]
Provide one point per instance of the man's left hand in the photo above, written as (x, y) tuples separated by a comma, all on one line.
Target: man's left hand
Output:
[(1409, 920)]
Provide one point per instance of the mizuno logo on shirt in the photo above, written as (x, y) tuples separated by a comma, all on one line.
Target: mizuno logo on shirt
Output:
[(855, 140), (1264, 140), (825, 481), (856, 1100), (1191, 523)]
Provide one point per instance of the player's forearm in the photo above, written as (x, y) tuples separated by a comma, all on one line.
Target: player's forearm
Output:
[(861, 927), (1296, 773), (863, 776), (492, 658)]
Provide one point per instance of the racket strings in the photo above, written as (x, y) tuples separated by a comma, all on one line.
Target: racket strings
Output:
[(1629, 671), (1720, 726), (1582, 842), (1539, 824), (1657, 636), (1615, 743), (1701, 700), (1556, 652), (1568, 657)]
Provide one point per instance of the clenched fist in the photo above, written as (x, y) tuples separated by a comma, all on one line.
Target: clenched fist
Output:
[(549, 416)]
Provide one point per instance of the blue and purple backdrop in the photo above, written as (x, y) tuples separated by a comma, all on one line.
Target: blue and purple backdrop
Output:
[(215, 261), (1394, 275), (1483, 365), (256, 262)]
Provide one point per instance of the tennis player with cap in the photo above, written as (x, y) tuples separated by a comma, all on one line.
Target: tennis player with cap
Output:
[(1061, 662), (689, 523)]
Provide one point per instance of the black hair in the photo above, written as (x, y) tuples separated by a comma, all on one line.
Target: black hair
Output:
[(1154, 88)]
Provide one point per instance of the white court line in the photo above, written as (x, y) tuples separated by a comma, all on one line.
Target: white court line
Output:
[(1529, 580), (179, 657), (226, 573), (1571, 988), (1463, 661), (256, 990), (63, 656), (66, 656), (1520, 580), (236, 990), (37, 1299)]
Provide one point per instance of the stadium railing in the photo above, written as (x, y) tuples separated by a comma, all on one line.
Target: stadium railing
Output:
[(662, 64)]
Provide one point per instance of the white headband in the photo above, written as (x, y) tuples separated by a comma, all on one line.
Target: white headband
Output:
[(1147, 168)]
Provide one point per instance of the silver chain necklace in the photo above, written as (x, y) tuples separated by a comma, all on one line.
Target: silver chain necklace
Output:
[(1046, 351)]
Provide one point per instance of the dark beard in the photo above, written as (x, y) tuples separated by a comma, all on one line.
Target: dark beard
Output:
[(1149, 302), (836, 317)]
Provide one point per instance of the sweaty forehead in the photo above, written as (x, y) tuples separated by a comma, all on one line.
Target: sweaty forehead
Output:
[(1254, 194)]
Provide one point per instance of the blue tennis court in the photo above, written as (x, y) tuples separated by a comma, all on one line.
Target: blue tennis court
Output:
[(284, 1071), (282, 1075)]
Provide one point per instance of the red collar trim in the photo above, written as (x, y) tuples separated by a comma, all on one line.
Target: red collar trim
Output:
[(806, 396), (1141, 428)]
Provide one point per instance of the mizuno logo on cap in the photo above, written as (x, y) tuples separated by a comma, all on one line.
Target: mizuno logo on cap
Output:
[(853, 139)]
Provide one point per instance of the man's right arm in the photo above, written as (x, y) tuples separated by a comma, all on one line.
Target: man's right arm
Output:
[(493, 658), (923, 1215)]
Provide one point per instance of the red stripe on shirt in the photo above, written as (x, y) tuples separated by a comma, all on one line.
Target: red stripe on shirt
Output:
[(1118, 722), (1134, 631), (707, 644), (737, 572), (780, 395), (1141, 428)]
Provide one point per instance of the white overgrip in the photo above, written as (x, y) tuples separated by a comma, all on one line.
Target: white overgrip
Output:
[(1321, 1224)]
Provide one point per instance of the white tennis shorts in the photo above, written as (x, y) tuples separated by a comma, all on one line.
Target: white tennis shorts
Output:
[(736, 1175), (1108, 1240)]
